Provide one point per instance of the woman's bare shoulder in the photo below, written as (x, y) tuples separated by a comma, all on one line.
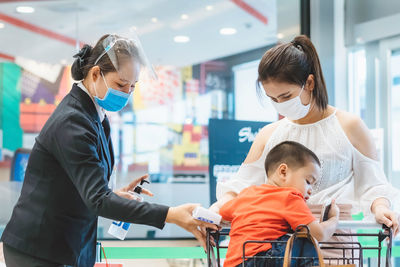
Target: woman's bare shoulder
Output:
[(346, 118), (358, 133), (260, 141)]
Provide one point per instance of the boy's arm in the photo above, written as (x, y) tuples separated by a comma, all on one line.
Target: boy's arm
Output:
[(323, 231)]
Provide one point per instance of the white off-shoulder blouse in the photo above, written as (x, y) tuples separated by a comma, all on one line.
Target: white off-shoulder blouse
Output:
[(346, 174)]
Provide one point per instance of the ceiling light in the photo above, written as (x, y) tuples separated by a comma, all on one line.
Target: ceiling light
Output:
[(209, 8), (25, 9), (181, 39), (280, 35), (133, 28), (2, 25), (184, 16), (227, 31), (154, 20)]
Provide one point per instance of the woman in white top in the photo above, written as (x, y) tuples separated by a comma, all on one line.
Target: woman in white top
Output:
[(290, 75)]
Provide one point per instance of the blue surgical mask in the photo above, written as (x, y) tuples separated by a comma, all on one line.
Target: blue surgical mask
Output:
[(114, 100)]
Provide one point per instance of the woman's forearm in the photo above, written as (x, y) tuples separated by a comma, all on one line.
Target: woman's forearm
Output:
[(225, 198)]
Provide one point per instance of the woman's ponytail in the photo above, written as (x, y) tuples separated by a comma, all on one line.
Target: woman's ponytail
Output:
[(303, 43)]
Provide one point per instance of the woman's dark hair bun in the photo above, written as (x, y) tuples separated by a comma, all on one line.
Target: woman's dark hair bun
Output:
[(80, 62)]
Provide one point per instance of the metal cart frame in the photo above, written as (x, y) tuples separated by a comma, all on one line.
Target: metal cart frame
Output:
[(213, 238)]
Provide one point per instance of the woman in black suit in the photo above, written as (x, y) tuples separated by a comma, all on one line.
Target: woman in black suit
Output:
[(54, 222)]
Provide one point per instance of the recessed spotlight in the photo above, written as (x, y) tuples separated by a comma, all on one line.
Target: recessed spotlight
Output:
[(280, 35), (133, 28), (209, 8), (154, 20), (184, 16), (25, 9), (2, 25), (181, 39), (227, 31)]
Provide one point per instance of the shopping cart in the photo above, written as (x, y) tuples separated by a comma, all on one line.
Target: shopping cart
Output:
[(350, 252)]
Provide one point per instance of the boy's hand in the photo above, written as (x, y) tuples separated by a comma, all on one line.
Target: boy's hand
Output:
[(334, 210)]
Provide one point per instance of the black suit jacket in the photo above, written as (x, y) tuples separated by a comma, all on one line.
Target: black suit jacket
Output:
[(66, 188)]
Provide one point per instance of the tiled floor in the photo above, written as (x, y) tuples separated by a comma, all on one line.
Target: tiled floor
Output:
[(156, 262), (147, 262)]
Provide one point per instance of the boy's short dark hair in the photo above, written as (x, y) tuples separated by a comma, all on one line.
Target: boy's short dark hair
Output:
[(294, 154)]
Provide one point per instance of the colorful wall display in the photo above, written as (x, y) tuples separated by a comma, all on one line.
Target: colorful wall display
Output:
[(161, 91), (40, 98), (179, 101), (9, 106), (27, 99), (189, 153)]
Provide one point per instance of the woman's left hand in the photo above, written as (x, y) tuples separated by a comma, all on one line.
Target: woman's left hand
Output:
[(125, 191), (388, 217)]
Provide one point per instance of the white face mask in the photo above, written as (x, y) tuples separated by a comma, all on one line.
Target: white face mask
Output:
[(292, 109)]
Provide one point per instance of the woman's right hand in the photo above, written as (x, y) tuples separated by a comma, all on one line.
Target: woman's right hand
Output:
[(182, 216), (215, 208)]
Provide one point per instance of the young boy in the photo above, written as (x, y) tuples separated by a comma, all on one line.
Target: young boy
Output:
[(270, 211)]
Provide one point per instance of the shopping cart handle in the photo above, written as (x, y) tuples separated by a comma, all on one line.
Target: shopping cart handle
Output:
[(341, 225), (359, 225)]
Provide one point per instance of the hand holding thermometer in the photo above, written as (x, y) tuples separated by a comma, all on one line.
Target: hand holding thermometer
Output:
[(206, 215)]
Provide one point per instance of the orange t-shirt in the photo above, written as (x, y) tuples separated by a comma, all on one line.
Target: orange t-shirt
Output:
[(264, 212)]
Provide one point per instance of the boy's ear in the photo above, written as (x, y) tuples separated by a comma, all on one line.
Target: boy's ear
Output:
[(282, 172)]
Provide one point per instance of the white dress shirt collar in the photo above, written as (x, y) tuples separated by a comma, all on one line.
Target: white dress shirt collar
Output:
[(100, 111)]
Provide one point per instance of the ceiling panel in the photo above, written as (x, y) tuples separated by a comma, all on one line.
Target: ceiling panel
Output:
[(88, 20)]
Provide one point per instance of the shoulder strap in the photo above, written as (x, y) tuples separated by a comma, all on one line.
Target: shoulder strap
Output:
[(289, 246)]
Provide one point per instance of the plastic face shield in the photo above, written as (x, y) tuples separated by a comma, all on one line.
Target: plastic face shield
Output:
[(127, 57)]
